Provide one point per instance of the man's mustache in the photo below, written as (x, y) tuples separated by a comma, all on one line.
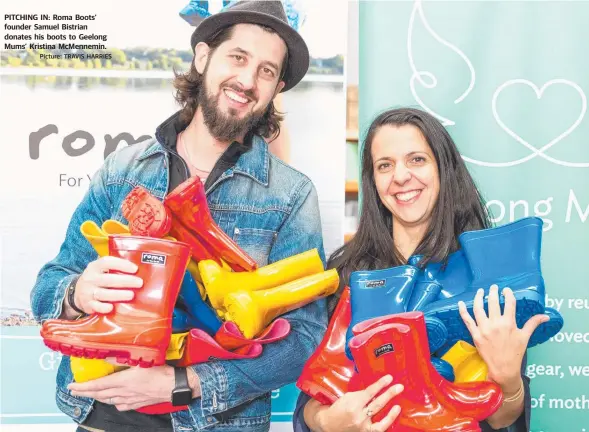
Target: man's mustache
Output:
[(250, 94)]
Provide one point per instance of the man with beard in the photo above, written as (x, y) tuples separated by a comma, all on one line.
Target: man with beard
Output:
[(243, 58)]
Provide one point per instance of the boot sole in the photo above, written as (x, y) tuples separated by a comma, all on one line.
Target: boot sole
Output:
[(547, 330), (437, 333), (130, 355), (529, 303)]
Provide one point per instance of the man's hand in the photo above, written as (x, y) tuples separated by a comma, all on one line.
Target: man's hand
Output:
[(131, 388), (94, 291)]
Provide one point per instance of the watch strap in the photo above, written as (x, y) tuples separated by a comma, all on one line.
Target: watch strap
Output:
[(182, 393), (181, 377), (71, 290)]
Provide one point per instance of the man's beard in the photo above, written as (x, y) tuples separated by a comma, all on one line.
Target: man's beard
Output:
[(224, 127)]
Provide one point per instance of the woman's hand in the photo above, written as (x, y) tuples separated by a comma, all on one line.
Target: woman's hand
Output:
[(500, 343), (354, 410)]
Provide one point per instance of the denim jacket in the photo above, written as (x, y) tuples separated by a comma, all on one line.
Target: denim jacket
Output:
[(270, 210)]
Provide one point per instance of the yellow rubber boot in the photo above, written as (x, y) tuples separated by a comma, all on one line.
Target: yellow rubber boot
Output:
[(85, 369), (95, 236), (467, 363), (176, 346), (252, 311), (115, 227), (98, 236), (112, 226), (219, 282)]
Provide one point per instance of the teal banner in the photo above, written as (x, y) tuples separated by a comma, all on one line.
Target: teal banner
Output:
[(509, 80), (28, 382), (28, 378)]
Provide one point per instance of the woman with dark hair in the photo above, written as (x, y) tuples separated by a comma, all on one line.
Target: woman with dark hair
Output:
[(417, 198)]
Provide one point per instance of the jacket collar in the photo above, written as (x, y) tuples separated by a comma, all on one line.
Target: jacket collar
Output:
[(253, 157), (255, 162)]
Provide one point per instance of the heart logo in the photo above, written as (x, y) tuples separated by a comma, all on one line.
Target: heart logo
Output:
[(535, 152)]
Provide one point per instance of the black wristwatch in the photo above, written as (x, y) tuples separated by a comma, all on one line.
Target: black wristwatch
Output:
[(182, 393)]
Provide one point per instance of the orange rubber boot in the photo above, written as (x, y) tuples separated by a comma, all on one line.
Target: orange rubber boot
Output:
[(477, 400), (328, 371), (188, 203), (392, 349), (146, 214), (136, 332)]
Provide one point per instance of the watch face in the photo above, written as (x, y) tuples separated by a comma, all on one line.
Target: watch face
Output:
[(181, 397)]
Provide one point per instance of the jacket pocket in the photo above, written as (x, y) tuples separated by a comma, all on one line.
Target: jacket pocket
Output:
[(253, 416), (256, 242)]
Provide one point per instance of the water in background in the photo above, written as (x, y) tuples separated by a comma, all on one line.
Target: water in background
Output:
[(35, 208)]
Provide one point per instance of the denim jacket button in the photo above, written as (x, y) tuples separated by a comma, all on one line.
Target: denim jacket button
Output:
[(77, 411), (210, 419), (236, 230)]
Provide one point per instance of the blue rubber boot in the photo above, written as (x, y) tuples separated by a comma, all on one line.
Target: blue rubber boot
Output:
[(193, 312), (542, 334), (508, 256), (454, 280), (378, 293), (181, 322), (548, 329), (443, 368), (427, 289), (436, 282)]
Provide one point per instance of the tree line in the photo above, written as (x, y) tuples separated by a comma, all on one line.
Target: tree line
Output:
[(139, 58)]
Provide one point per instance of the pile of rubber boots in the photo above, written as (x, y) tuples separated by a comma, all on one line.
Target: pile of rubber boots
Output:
[(507, 256), (202, 298)]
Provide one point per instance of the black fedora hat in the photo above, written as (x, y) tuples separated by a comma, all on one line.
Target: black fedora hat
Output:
[(269, 13)]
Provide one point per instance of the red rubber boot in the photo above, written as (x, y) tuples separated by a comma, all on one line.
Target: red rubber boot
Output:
[(136, 332), (393, 349), (149, 217), (199, 250), (146, 214), (188, 203), (478, 400), (231, 338), (327, 373)]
